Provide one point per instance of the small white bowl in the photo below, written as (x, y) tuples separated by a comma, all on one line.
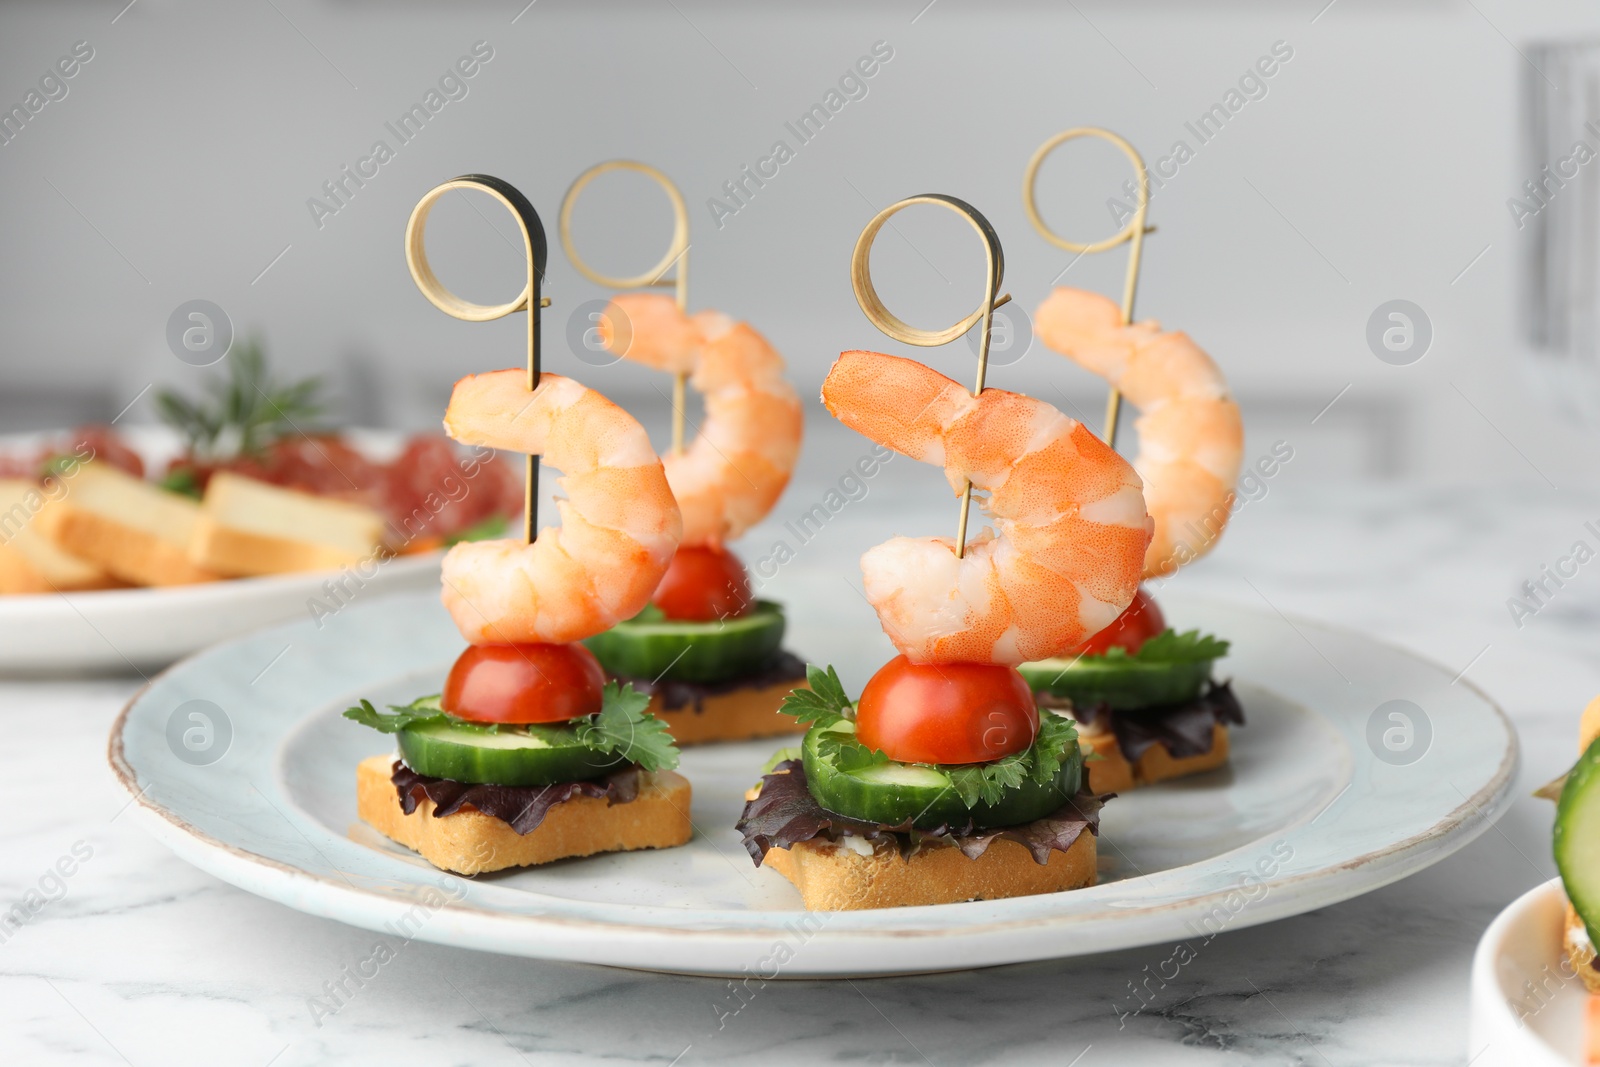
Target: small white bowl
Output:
[(1527, 1006)]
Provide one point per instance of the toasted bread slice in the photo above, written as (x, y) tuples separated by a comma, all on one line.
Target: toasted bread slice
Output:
[(1112, 773), (31, 562), (470, 842), (248, 527), (838, 877), (1579, 950), (128, 527), (734, 716)]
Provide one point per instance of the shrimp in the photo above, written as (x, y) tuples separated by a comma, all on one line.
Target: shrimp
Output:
[(1191, 438), (1071, 520), (738, 465), (619, 522)]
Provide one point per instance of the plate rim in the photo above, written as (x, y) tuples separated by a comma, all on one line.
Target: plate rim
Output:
[(1344, 880)]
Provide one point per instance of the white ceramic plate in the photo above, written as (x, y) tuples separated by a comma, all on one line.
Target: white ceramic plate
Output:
[(114, 629), (1306, 816), (121, 628), (1527, 1005)]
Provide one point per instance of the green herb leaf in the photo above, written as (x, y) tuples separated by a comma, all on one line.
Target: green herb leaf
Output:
[(622, 726), (244, 414), (415, 714), (487, 530), (824, 703), (987, 783), (1169, 646), (1058, 735), (181, 480), (788, 753), (62, 466), (840, 748)]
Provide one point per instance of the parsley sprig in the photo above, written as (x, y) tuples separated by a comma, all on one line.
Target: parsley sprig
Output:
[(1039, 762), (621, 727), (824, 703), (1170, 646)]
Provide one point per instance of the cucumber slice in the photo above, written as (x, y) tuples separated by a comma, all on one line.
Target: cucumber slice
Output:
[(897, 793), (530, 755), (1577, 837), (1125, 684), (703, 652)]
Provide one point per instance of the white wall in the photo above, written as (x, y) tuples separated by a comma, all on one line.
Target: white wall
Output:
[(1377, 166)]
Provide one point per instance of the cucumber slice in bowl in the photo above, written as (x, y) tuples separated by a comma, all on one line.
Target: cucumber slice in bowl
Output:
[(1124, 683), (1577, 837), (516, 756), (896, 794), (703, 652)]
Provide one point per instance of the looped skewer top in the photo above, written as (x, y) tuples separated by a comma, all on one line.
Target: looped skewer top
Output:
[(676, 259), (1132, 234), (529, 300), (893, 326)]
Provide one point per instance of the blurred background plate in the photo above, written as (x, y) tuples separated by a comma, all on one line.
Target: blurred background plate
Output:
[(119, 629)]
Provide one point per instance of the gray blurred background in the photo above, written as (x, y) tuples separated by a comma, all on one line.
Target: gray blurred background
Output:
[(1374, 164)]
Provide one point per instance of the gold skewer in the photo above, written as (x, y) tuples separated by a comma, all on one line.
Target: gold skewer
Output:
[(889, 323), (677, 255), (529, 300), (1133, 232)]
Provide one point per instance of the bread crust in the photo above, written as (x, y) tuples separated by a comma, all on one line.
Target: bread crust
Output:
[(22, 573), (834, 877), (244, 553), (469, 842), (738, 715), (249, 527), (30, 562), (1112, 773), (129, 553)]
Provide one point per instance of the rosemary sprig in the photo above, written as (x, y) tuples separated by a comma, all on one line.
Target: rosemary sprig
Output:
[(243, 414)]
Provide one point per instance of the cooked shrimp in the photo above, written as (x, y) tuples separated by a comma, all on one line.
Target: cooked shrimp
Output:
[(1070, 515), (735, 469), (1191, 439), (619, 522)]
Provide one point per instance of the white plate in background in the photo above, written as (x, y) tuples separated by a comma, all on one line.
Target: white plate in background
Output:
[(119, 629), (1306, 814)]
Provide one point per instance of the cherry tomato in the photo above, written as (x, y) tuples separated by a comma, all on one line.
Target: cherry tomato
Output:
[(704, 583), (946, 712), (1140, 622), (524, 683)]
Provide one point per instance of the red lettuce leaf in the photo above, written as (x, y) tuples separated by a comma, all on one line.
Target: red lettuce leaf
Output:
[(522, 807), (784, 667), (1184, 729), (785, 813)]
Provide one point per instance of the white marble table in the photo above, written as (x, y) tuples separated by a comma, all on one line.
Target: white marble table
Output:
[(147, 961)]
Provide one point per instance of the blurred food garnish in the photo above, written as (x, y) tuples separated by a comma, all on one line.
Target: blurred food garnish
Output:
[(92, 520), (243, 413)]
